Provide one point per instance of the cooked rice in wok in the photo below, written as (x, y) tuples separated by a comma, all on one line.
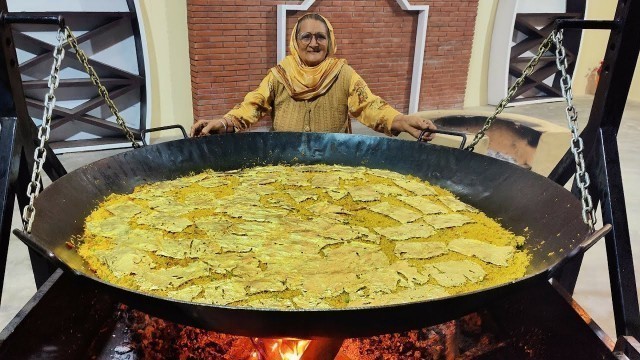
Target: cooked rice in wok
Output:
[(298, 237)]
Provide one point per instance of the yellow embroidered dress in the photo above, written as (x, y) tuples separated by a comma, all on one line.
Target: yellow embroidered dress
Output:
[(318, 99)]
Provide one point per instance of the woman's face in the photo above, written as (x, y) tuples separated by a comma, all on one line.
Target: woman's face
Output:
[(313, 41)]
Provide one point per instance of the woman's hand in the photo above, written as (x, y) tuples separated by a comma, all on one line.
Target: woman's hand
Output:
[(208, 127), (413, 125)]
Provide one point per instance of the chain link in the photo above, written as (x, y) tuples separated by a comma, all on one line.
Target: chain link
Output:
[(577, 145), (528, 70), (101, 89), (40, 154)]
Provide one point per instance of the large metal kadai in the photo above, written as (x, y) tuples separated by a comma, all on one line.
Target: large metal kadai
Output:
[(522, 201)]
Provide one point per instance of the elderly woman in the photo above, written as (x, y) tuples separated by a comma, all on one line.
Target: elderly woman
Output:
[(311, 90)]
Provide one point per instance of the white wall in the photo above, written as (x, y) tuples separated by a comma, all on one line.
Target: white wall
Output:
[(165, 26), (592, 49), (536, 6)]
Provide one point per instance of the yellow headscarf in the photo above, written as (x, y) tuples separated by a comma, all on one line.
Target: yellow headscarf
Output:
[(304, 82)]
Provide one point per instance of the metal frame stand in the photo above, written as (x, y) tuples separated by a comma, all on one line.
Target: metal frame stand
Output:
[(17, 134), (603, 163)]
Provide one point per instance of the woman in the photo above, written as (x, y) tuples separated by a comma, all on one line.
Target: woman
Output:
[(311, 90)]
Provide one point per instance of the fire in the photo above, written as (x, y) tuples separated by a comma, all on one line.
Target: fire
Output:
[(279, 349), (292, 349)]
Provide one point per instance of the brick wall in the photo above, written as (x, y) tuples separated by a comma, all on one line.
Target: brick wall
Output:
[(233, 45)]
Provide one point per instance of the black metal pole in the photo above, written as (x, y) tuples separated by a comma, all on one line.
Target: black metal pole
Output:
[(20, 18), (618, 242), (18, 145), (7, 195), (585, 24)]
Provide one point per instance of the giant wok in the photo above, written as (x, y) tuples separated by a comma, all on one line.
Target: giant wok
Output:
[(522, 201)]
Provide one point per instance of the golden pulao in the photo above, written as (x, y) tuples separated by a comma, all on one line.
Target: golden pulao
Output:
[(316, 236)]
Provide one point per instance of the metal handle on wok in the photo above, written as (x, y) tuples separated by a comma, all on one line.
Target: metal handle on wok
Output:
[(36, 244), (161, 128), (586, 244), (448, 132)]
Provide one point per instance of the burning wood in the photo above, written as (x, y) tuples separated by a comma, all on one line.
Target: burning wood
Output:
[(155, 338)]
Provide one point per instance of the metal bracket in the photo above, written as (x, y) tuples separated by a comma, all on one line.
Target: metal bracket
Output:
[(17, 18), (144, 132), (627, 347), (447, 132)]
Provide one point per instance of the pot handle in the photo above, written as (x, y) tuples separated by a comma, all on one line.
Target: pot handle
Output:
[(448, 132), (35, 244), (591, 240), (144, 132)]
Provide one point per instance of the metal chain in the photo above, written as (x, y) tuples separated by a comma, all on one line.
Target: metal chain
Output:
[(577, 145), (40, 154), (34, 187), (101, 89), (543, 48)]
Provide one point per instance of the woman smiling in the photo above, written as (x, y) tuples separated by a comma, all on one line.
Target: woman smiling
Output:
[(312, 90)]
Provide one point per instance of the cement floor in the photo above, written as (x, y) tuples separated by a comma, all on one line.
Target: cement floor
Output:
[(592, 291)]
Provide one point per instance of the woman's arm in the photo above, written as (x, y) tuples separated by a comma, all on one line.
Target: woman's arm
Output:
[(413, 125), (256, 105), (374, 112)]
